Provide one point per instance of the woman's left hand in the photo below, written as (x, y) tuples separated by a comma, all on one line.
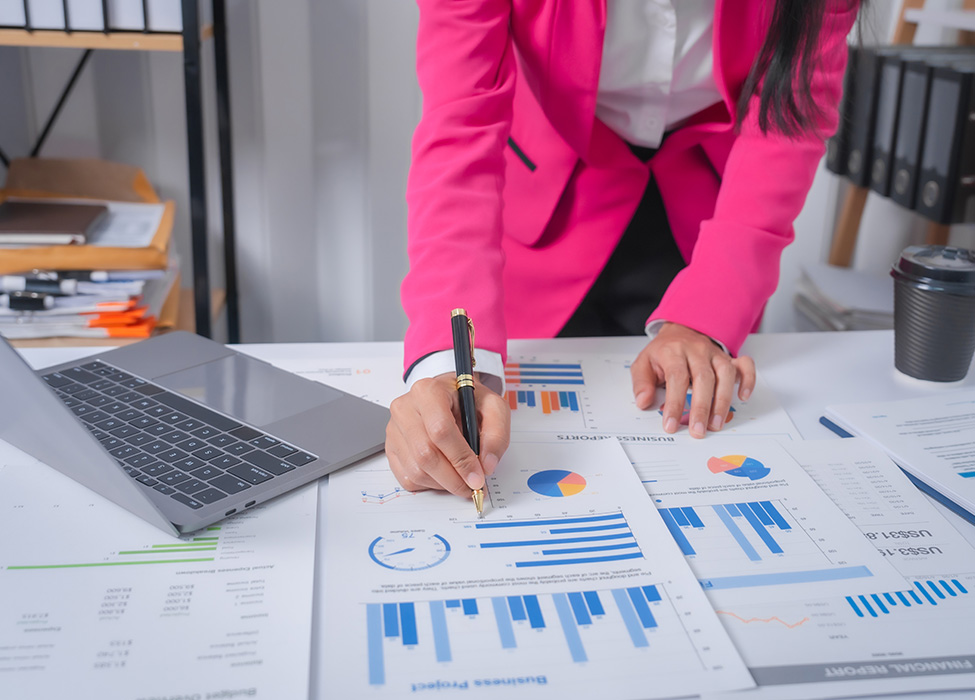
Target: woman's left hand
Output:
[(679, 358)]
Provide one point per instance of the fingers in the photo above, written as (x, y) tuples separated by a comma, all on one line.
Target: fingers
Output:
[(644, 380), (426, 447), (683, 358), (495, 424)]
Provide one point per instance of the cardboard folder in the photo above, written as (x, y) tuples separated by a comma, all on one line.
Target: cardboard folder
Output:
[(85, 179)]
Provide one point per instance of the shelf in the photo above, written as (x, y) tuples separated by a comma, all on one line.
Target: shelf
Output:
[(131, 41)]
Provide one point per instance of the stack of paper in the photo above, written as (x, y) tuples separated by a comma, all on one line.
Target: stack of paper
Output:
[(932, 439), (841, 299)]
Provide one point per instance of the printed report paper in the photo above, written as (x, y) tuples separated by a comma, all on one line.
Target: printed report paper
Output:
[(931, 438), (98, 603), (570, 586)]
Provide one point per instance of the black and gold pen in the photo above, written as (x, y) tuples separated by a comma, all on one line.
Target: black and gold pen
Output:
[(463, 338)]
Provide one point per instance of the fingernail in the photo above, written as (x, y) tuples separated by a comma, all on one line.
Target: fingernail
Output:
[(643, 399), (490, 463), (716, 422), (671, 425), (698, 429), (475, 481), (745, 394)]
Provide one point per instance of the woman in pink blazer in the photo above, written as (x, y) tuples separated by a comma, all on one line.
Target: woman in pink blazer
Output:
[(518, 196)]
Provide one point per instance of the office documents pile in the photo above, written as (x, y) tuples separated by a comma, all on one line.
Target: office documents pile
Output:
[(905, 128), (84, 252), (833, 298)]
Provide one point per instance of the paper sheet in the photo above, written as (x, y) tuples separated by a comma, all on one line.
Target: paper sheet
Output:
[(98, 603), (568, 587)]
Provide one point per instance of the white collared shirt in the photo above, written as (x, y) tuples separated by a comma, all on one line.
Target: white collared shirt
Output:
[(657, 68)]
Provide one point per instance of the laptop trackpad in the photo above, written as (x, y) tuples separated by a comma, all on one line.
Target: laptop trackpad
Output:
[(248, 389)]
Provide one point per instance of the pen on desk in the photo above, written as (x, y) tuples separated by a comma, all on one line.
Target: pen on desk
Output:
[(463, 337)]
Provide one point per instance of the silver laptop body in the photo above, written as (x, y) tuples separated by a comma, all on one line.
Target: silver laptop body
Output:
[(183, 431)]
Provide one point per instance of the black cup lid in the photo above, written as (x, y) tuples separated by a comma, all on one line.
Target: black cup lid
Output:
[(939, 267)]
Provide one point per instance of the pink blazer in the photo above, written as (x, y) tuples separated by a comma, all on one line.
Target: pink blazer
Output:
[(517, 233)]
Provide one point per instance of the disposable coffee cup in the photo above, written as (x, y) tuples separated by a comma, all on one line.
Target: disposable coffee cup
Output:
[(934, 312)]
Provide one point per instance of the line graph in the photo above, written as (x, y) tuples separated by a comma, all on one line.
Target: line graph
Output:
[(767, 620)]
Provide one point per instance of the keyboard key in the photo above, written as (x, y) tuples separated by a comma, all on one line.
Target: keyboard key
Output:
[(133, 383), (99, 400), (174, 477), (115, 390), (129, 397), (148, 481), (110, 424), (124, 451), (164, 490), (67, 400), (172, 418), (118, 376), (102, 384), (206, 453), (96, 366), (138, 439), (195, 410), (222, 440), (111, 443), (206, 473), (250, 473), (72, 388), (187, 501), (300, 459), (268, 462), (189, 425), (282, 450), (209, 496), (263, 442), (149, 390), (129, 415), (205, 433), (230, 484), (80, 375), (190, 445), (159, 411), (156, 447), (172, 455), (157, 469), (245, 433), (158, 430), (190, 486), (56, 380), (126, 431), (174, 436), (144, 422), (189, 463), (86, 395), (238, 448), (225, 462), (140, 460), (144, 404), (114, 407)]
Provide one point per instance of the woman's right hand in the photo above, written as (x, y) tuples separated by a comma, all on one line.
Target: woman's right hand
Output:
[(426, 447)]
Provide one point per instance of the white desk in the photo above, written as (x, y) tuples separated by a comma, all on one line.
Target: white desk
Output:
[(807, 372)]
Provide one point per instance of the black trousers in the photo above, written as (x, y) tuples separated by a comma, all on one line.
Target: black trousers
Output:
[(638, 273)]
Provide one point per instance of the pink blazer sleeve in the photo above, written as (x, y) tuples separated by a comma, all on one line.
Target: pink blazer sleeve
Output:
[(465, 67), (734, 267)]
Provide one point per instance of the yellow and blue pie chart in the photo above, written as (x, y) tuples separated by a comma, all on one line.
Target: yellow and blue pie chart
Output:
[(556, 483)]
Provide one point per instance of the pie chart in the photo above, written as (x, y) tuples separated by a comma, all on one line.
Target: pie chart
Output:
[(740, 466), (556, 483)]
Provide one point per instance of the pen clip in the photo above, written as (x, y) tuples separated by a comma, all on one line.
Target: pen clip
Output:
[(470, 328)]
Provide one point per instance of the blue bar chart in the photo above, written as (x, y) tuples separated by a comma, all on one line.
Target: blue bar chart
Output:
[(931, 592), (545, 395), (577, 625), (750, 543), (564, 541)]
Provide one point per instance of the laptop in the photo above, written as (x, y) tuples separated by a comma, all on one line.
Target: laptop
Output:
[(183, 431)]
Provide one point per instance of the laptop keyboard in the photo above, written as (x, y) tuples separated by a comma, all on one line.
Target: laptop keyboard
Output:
[(169, 443)]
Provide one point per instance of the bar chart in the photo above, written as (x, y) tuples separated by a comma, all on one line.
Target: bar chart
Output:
[(923, 593), (545, 395), (635, 624), (753, 543), (558, 542)]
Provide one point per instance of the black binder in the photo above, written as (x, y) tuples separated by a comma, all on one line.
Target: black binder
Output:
[(885, 122), (946, 179), (838, 145), (862, 110)]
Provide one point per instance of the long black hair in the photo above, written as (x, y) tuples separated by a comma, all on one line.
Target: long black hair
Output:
[(785, 66)]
